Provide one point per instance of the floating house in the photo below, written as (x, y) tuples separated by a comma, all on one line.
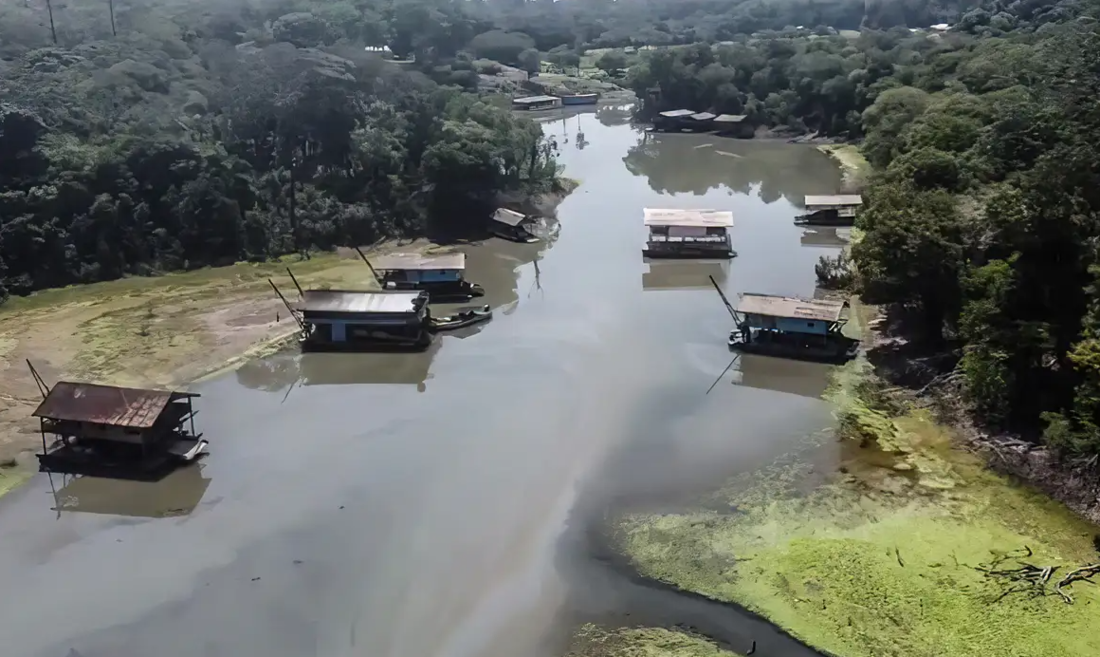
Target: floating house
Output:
[(580, 99), (367, 321), (117, 433), (441, 276), (733, 125), (512, 225), (675, 120), (792, 327), (536, 103), (688, 234), (836, 210)]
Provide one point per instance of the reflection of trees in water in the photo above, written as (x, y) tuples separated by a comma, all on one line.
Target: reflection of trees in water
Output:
[(613, 115), (697, 164), (272, 374)]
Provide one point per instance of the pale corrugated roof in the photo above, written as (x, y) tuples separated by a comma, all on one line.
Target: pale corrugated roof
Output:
[(730, 118), (703, 116), (675, 114), (697, 218), (509, 217), (344, 301), (790, 307), (534, 99), (417, 261), (840, 199)]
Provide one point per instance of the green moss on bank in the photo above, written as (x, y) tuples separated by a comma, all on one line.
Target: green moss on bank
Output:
[(11, 477), (595, 641), (854, 166), (878, 557)]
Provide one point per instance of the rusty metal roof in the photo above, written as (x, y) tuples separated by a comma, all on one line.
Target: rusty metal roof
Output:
[(406, 261), (790, 307), (121, 407)]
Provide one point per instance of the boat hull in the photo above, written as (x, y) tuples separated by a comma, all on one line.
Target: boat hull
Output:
[(837, 351)]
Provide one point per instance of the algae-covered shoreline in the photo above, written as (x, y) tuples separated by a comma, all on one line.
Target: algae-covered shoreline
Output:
[(882, 555)]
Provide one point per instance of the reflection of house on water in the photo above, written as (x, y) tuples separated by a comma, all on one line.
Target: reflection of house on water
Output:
[(783, 375), (368, 369), (823, 237), (176, 495), (683, 274)]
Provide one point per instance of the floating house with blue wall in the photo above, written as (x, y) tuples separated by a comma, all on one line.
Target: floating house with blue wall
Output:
[(442, 276), (367, 321), (792, 327)]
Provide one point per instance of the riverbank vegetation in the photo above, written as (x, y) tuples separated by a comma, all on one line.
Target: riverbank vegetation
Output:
[(595, 641)]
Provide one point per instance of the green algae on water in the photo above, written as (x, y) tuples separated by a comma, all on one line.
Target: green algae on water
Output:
[(879, 558), (595, 641)]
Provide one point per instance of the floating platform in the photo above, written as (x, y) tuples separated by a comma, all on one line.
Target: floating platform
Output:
[(836, 350), (118, 433)]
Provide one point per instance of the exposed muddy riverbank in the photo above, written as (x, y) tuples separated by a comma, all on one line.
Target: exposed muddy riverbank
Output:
[(393, 505)]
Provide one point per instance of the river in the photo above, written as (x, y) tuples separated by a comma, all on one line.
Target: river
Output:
[(397, 505)]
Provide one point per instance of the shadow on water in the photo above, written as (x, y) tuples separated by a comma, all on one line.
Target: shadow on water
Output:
[(683, 274), (825, 237), (178, 494)]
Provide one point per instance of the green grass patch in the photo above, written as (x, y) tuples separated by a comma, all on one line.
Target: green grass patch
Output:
[(880, 556), (856, 169), (595, 641)]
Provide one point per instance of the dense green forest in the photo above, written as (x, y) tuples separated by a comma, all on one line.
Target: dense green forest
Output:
[(172, 135), (981, 229)]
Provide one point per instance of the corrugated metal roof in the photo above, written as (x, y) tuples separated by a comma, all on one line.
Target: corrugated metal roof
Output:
[(509, 217), (730, 118), (346, 301), (675, 114), (703, 116), (417, 261), (697, 218), (89, 402), (534, 99), (790, 307), (839, 199)]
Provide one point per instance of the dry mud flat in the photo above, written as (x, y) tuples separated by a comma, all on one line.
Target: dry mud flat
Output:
[(910, 548), (157, 331)]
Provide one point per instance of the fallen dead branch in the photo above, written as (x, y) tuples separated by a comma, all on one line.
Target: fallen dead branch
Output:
[(1023, 577)]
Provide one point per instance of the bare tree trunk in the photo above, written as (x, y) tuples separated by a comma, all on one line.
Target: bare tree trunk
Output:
[(111, 4), (53, 30)]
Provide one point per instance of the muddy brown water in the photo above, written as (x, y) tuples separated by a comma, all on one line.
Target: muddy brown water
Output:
[(439, 504)]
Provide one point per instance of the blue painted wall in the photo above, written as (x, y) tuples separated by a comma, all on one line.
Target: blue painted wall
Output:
[(439, 276), (788, 324)]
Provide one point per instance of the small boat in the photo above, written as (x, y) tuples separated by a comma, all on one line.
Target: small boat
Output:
[(464, 317), (580, 99)]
